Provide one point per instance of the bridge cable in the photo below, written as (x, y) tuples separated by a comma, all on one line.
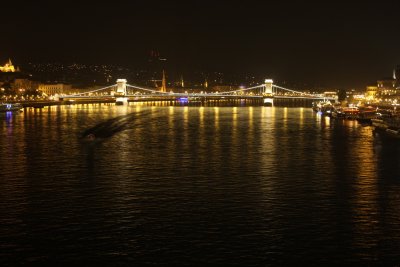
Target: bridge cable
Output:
[(79, 94)]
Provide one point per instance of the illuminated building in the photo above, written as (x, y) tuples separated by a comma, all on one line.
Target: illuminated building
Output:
[(20, 85), (371, 92), (8, 67), (386, 87), (52, 89), (387, 90)]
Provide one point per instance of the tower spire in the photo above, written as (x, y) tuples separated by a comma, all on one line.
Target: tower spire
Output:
[(394, 74), (164, 83)]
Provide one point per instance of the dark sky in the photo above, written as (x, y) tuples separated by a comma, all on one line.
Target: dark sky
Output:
[(332, 43)]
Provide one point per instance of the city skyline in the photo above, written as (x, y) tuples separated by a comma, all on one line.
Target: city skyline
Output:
[(333, 44)]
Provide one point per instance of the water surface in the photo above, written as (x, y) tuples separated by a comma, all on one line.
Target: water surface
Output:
[(238, 186)]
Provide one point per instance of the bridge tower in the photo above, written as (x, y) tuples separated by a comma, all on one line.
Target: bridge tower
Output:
[(268, 86), (121, 98), (268, 94)]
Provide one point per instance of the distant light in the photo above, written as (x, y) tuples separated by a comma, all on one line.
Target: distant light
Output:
[(269, 81)]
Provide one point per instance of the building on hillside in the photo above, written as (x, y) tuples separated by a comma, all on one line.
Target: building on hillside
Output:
[(23, 85), (9, 67)]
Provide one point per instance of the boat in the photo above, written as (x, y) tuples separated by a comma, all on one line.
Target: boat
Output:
[(323, 107), (4, 107), (349, 113), (388, 125), (379, 124), (366, 115), (393, 132)]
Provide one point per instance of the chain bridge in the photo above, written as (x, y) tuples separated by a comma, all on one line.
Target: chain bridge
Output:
[(123, 93)]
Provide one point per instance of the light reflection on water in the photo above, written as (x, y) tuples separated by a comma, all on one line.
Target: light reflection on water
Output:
[(196, 186)]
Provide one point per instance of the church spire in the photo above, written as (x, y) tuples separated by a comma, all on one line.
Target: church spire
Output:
[(394, 74), (205, 83), (164, 83)]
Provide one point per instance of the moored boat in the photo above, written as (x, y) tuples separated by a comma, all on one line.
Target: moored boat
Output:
[(4, 107), (379, 124), (366, 115), (393, 132), (350, 113), (323, 107)]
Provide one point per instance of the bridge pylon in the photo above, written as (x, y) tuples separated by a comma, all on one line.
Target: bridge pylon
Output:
[(268, 86), (121, 98), (268, 97)]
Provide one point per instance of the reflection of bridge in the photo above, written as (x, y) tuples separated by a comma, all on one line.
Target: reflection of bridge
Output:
[(123, 92)]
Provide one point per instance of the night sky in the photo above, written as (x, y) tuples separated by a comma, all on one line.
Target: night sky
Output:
[(331, 43)]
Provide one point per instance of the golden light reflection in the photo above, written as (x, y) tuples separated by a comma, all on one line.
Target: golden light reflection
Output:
[(301, 124), (234, 136), (267, 112), (351, 123), (201, 113), (171, 111), (186, 125), (251, 111), (216, 117), (234, 117), (186, 115), (327, 121), (285, 118), (366, 186), (318, 117), (270, 143), (201, 133)]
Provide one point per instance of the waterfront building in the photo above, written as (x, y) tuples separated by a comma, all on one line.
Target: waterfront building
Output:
[(371, 92), (22, 85), (386, 87), (52, 89)]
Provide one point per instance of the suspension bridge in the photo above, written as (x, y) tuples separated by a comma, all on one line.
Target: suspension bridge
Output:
[(123, 93)]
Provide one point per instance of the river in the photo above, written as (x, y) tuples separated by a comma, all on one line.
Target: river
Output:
[(196, 186)]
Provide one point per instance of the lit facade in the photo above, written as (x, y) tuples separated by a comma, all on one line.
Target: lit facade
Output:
[(21, 85), (8, 67), (387, 87), (52, 89), (371, 92)]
